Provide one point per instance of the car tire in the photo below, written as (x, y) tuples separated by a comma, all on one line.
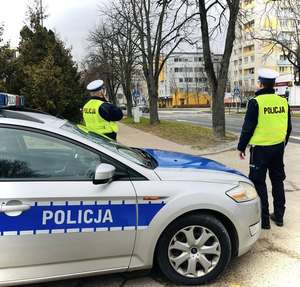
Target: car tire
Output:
[(199, 267)]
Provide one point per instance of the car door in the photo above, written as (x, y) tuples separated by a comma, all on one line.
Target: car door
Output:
[(53, 219)]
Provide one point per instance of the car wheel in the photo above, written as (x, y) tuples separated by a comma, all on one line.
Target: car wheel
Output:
[(194, 249)]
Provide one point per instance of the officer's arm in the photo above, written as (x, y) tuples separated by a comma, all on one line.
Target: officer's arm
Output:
[(250, 123), (110, 112), (289, 129)]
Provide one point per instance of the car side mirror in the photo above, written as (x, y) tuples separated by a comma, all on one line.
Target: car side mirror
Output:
[(104, 173)]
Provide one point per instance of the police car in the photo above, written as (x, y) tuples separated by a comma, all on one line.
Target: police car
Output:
[(75, 204)]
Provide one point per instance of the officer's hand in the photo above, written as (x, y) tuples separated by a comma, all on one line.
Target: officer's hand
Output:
[(242, 155)]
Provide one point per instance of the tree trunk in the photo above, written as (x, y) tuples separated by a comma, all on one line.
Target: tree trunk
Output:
[(129, 107), (218, 109), (297, 72), (153, 100), (111, 95), (129, 102)]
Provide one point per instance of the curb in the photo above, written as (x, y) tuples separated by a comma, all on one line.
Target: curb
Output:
[(219, 149)]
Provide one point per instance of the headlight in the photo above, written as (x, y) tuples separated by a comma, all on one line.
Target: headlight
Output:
[(244, 192)]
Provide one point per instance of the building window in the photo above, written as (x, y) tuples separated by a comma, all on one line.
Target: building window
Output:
[(281, 69), (198, 70), (249, 48), (283, 58), (179, 70), (197, 59), (180, 80), (188, 80), (247, 2), (284, 23), (249, 25)]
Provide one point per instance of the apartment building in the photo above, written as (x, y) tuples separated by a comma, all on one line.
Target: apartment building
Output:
[(251, 53)]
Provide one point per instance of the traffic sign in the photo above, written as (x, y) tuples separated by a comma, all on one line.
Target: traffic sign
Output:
[(237, 91)]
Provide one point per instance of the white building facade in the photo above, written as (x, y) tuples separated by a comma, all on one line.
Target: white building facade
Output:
[(184, 74)]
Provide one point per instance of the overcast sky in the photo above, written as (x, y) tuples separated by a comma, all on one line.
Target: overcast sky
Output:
[(71, 19)]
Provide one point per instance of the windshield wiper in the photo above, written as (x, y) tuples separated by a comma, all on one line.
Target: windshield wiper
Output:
[(148, 157)]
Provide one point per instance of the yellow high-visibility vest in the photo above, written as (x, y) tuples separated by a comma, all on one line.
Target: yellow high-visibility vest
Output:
[(94, 122), (272, 121)]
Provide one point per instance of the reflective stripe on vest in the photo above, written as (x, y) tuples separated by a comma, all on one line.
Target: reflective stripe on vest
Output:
[(94, 122), (272, 121)]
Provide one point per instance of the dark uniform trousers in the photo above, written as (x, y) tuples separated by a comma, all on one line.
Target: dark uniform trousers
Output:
[(263, 159)]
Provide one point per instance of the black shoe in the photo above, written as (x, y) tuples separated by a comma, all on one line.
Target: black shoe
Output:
[(265, 223), (278, 222)]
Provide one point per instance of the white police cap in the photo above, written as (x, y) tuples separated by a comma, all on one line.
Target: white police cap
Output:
[(94, 86), (267, 75)]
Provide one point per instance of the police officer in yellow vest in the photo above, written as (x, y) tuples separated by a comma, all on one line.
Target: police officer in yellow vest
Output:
[(267, 127), (99, 115)]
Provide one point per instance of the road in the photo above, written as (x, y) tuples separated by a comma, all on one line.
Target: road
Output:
[(234, 122)]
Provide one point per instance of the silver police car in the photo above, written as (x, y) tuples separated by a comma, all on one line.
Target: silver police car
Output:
[(75, 204)]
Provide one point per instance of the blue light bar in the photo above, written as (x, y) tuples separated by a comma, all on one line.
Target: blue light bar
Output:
[(8, 100)]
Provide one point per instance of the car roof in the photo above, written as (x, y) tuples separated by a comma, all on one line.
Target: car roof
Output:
[(31, 116)]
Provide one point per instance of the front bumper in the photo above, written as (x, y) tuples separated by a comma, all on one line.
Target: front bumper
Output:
[(248, 224)]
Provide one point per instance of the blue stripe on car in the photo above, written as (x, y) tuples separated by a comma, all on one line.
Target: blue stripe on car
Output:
[(91, 217)]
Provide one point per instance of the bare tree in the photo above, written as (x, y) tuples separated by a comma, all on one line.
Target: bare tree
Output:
[(161, 25), (125, 37), (118, 38), (104, 57), (218, 15), (282, 30)]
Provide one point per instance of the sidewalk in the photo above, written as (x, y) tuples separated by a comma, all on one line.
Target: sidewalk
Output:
[(137, 138), (275, 259)]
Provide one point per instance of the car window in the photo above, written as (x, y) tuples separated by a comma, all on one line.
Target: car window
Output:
[(38, 143), (33, 156), (133, 154)]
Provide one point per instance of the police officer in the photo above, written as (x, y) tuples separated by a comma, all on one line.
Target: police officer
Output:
[(267, 127), (99, 115)]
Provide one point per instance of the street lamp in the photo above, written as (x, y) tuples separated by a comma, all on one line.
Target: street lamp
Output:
[(41, 11)]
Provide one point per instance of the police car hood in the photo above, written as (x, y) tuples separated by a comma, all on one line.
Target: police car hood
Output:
[(181, 166)]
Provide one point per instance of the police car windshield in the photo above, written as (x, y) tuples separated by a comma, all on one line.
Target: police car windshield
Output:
[(133, 154)]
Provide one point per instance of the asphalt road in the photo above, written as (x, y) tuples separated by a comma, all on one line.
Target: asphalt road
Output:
[(234, 122)]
